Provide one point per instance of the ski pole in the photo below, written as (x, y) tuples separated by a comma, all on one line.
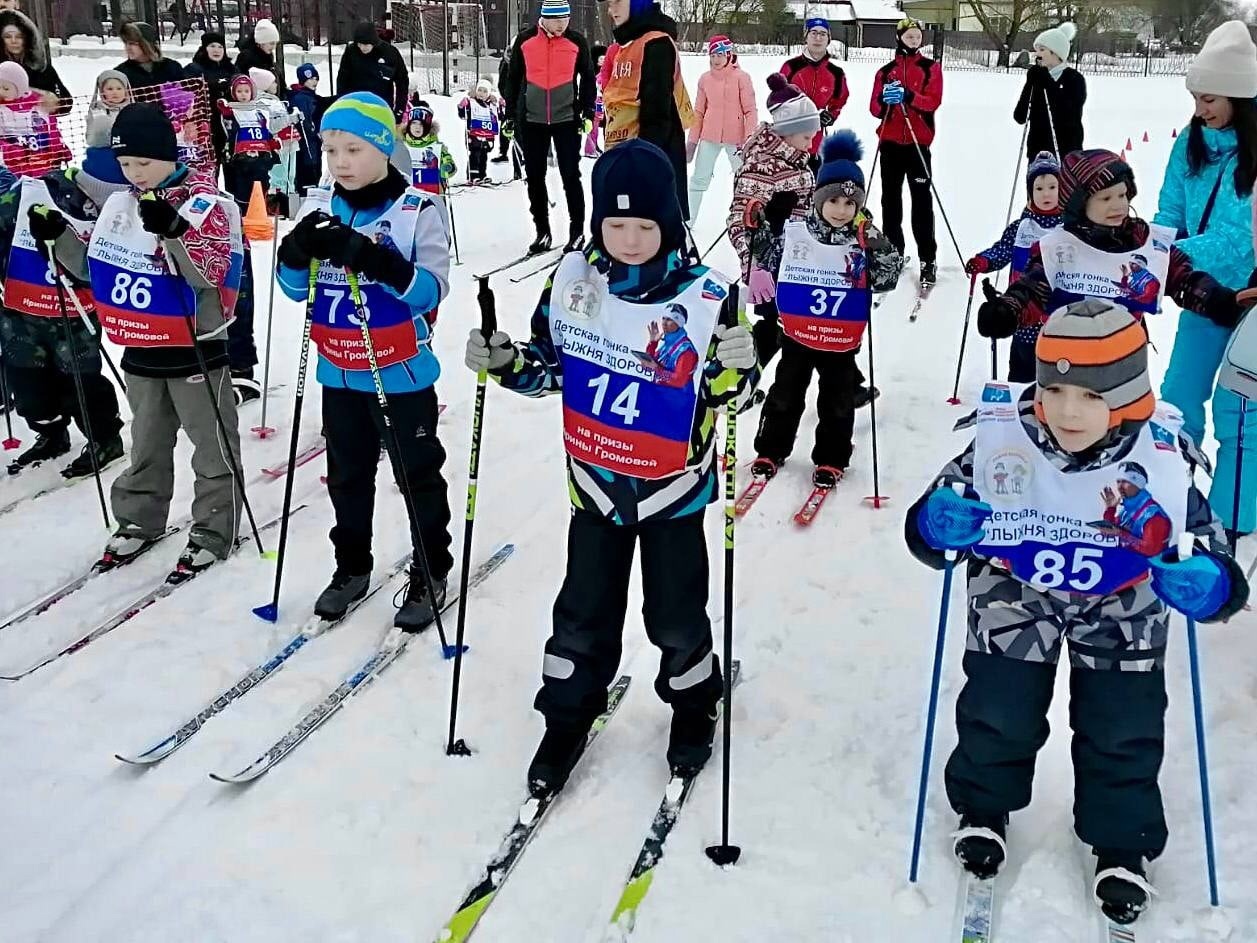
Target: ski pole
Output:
[(725, 853), (1047, 106), (91, 327), (1185, 542), (1012, 195), (449, 206), (270, 611), (1233, 532), (10, 443), (488, 325), (51, 249), (930, 177), (395, 455), (715, 242), (876, 498), (262, 431), (949, 569), (954, 399)]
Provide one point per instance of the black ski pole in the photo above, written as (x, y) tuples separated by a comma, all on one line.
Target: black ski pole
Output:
[(270, 611), (930, 177), (1012, 195), (724, 232), (10, 443), (262, 430), (725, 853), (954, 399), (488, 325), (51, 249), (395, 456), (876, 498), (449, 206), (91, 327)]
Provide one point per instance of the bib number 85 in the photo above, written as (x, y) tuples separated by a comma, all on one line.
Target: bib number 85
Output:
[(1084, 571), (135, 293)]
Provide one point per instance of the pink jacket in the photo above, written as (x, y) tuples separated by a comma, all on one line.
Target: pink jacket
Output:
[(725, 107)]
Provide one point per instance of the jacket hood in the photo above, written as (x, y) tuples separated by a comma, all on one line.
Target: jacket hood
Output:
[(653, 19), (35, 56)]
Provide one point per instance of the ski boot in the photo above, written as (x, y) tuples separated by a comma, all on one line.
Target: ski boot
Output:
[(1121, 887), (690, 739), (500, 159), (344, 590), (764, 467), (575, 240), (827, 476), (556, 755), (123, 547), (543, 243), (244, 387), (416, 611), (929, 274), (194, 559), (107, 452), (979, 844), (50, 443), (865, 395)]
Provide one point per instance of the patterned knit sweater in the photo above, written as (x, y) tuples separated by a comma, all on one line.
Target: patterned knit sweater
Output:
[(770, 166)]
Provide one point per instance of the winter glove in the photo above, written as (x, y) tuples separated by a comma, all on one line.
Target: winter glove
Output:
[(979, 263), (378, 263), (691, 148), (47, 224), (1039, 76), (762, 285), (735, 349), (946, 521), (162, 219), (779, 209), (827, 118), (294, 249), (892, 94), (496, 355), (1198, 587), (997, 316), (508, 128), (588, 125)]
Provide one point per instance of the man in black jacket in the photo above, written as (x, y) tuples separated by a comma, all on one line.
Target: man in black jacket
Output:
[(1053, 97), (372, 65)]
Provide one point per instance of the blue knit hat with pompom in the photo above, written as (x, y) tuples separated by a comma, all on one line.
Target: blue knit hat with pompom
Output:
[(840, 173)]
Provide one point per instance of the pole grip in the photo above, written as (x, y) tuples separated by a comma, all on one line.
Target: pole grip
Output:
[(488, 309), (729, 314)]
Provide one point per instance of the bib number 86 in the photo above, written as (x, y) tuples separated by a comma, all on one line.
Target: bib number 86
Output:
[(133, 292), (1084, 571)]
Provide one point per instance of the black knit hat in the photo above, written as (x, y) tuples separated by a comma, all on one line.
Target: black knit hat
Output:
[(213, 37), (365, 32), (143, 130)]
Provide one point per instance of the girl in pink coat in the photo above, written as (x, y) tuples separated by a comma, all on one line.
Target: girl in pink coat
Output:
[(725, 116)]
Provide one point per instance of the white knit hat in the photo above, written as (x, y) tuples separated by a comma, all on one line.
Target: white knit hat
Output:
[(1058, 39), (265, 32), (263, 79), (1226, 64)]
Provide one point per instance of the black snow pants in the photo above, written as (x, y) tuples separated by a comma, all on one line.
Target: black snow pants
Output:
[(900, 162), (837, 378), (535, 140)]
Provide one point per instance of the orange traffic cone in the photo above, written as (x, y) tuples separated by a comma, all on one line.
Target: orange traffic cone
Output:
[(1129, 146), (257, 225), (1145, 137), (1122, 156)]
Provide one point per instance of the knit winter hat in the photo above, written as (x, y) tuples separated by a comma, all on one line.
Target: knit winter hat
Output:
[(265, 32), (792, 112), (677, 314), (305, 72), (1133, 472), (1099, 346), (210, 38), (719, 45), (364, 115), (15, 75), (365, 32), (1058, 39), (1044, 164), (143, 130), (553, 9), (263, 79), (1084, 173), (840, 173), (907, 23), (237, 80), (484, 85), (1226, 64), (816, 22), (636, 179)]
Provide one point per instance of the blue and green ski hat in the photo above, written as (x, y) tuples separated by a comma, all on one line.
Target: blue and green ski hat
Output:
[(363, 115)]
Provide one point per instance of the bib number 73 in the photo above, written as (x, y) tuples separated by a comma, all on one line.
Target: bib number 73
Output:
[(1083, 573), (623, 405)]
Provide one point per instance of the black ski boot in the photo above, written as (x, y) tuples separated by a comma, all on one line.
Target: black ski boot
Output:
[(107, 453), (417, 610), (827, 476), (500, 159), (49, 444), (979, 844), (929, 274), (543, 243), (556, 755), (689, 741), (1121, 887), (575, 239), (244, 387), (764, 467), (344, 590), (865, 395), (194, 559)]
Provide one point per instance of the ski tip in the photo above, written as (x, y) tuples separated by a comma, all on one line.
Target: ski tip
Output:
[(267, 613), (724, 855), (449, 652)]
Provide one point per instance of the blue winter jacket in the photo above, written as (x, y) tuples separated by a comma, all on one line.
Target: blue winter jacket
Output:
[(431, 256), (1225, 249)]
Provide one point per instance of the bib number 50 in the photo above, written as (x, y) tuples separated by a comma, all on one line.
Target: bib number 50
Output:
[(1084, 571)]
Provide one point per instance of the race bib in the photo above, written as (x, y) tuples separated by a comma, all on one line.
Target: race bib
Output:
[(1135, 280), (30, 283), (425, 168), (1029, 232), (821, 292)]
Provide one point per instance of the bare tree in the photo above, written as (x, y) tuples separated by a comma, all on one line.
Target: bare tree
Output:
[(1002, 20), (1089, 18), (1188, 21)]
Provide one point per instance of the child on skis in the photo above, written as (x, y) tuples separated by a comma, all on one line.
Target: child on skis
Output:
[(1085, 439), (284, 125), (480, 111), (309, 105), (847, 259), (336, 233), (253, 138), (641, 458), (165, 250), (593, 126), (30, 142), (1042, 213), (431, 165)]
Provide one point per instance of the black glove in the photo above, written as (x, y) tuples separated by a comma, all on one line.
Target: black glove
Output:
[(162, 219), (997, 319), (826, 118), (989, 291), (46, 224), (294, 250), (779, 209), (375, 262), (1038, 75), (327, 239)]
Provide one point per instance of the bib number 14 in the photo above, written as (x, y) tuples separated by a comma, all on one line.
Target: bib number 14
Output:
[(1083, 574), (623, 405)]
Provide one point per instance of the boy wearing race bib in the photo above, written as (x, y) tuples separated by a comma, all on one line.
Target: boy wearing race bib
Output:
[(1101, 251), (830, 266), (480, 111), (1042, 213), (347, 229), (431, 165), (1076, 490), (167, 247), (634, 337)]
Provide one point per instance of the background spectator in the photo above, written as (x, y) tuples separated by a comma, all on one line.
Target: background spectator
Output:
[(724, 117), (818, 76), (24, 44), (258, 51), (145, 66), (372, 65)]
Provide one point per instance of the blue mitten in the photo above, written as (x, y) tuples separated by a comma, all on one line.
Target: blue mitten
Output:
[(1197, 587), (892, 94), (948, 521)]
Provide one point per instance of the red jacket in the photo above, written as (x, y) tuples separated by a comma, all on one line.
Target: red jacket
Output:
[(822, 81), (922, 80)]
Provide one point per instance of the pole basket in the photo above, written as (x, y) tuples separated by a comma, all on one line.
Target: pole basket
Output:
[(876, 501), (263, 432)]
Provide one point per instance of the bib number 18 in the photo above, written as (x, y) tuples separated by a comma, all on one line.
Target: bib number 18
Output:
[(625, 403), (1084, 571)]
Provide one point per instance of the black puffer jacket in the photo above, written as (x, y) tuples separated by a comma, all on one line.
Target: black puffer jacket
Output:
[(217, 75), (382, 71), (252, 56), (43, 77)]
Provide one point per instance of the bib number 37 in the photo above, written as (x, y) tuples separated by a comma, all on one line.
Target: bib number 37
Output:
[(1082, 572)]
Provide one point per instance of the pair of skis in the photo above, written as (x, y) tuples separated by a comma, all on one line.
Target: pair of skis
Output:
[(977, 915), (803, 517), (542, 260)]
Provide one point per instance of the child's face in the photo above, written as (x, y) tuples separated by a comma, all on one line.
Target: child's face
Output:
[(113, 92), (1110, 206), (353, 162), (415, 129), (718, 60), (242, 92), (838, 210), (1077, 417), (1047, 193), (312, 83), (631, 239), (144, 173), (1046, 57), (800, 140), (8, 91)]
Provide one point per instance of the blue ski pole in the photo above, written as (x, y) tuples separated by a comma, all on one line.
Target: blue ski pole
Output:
[(948, 570)]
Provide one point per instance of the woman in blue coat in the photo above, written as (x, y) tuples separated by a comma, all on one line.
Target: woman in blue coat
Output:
[(1207, 198)]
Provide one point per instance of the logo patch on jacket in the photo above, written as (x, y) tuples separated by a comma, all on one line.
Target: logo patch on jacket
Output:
[(1162, 438), (712, 291), (411, 203)]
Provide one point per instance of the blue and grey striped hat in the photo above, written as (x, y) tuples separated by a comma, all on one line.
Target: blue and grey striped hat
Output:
[(555, 8)]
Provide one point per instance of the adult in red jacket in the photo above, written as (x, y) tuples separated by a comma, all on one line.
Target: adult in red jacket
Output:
[(818, 76), (906, 93)]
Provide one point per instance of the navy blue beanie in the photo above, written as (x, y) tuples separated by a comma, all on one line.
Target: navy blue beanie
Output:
[(305, 72), (840, 173), (636, 179), (640, 7)]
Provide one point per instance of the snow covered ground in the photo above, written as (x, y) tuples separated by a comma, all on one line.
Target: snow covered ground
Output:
[(369, 833)]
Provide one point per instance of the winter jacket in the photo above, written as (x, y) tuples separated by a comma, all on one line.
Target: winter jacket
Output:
[(922, 80), (445, 160), (382, 71), (1001, 254), (822, 81), (30, 141), (549, 79), (883, 263), (659, 120), (36, 59), (725, 107), (310, 106), (1201, 521), (621, 499), (148, 74), (770, 166), (430, 254), (1065, 96), (252, 56), (608, 63), (217, 75)]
